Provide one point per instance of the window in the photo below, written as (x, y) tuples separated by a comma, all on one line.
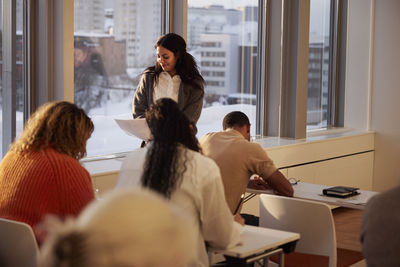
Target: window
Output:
[(318, 65), (222, 37), (12, 94), (109, 58), (1, 87), (121, 49)]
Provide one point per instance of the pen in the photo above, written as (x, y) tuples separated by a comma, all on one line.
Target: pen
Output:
[(240, 203)]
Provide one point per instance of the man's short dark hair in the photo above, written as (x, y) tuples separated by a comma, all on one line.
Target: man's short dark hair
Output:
[(235, 118)]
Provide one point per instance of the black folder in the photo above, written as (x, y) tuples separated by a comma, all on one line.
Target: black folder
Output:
[(340, 191)]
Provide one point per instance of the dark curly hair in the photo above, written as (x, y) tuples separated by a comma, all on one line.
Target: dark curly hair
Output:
[(171, 129), (186, 66)]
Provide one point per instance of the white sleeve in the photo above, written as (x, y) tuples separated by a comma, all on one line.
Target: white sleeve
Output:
[(218, 227), (131, 170)]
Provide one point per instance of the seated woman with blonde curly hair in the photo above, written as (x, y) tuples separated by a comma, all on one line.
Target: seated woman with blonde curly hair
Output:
[(110, 233), (41, 173)]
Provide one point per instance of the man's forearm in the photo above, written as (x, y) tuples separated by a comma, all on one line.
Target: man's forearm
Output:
[(278, 182)]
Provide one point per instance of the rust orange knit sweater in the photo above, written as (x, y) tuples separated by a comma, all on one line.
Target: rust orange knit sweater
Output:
[(40, 183)]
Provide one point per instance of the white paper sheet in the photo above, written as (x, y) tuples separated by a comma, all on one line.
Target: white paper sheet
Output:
[(135, 127)]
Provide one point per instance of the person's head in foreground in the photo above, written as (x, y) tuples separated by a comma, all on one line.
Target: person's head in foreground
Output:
[(125, 228), (171, 129), (238, 121), (60, 125), (380, 232)]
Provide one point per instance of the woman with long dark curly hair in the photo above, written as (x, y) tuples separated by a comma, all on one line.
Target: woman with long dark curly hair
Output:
[(175, 75), (172, 166), (41, 173)]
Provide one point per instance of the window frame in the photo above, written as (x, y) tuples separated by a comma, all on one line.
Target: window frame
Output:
[(289, 87), (337, 64), (9, 14), (50, 46), (261, 66), (28, 18)]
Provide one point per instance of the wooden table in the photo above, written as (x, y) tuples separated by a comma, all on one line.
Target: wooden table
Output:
[(314, 192)]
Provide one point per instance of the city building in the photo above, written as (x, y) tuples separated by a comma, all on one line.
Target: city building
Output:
[(89, 16), (219, 63), (318, 67), (140, 30)]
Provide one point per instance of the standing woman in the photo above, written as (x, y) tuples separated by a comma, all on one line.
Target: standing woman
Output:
[(41, 173), (175, 75)]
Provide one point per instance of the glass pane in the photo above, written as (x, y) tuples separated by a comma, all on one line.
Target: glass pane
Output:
[(222, 36), (318, 64), (1, 83), (114, 43), (19, 73), (19, 54)]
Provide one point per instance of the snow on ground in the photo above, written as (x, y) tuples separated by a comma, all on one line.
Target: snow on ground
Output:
[(108, 138), (19, 125)]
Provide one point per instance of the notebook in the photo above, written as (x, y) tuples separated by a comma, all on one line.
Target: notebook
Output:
[(340, 191)]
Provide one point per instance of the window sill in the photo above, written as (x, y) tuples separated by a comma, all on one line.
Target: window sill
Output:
[(317, 146), (315, 136), (285, 152)]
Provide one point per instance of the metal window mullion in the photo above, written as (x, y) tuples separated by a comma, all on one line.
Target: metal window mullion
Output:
[(332, 77), (261, 68), (165, 16), (295, 45), (9, 73), (273, 68), (27, 59), (43, 52), (341, 44), (289, 72), (178, 17)]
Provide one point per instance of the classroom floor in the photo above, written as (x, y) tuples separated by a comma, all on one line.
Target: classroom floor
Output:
[(348, 227), (347, 224)]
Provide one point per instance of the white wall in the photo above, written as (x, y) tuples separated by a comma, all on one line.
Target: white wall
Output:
[(385, 109), (357, 64), (373, 82)]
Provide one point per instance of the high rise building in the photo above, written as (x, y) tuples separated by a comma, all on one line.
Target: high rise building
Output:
[(219, 63), (89, 16), (224, 42), (210, 19), (139, 29), (318, 67)]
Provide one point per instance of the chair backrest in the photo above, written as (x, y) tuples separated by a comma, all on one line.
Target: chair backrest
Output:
[(313, 220), (18, 245)]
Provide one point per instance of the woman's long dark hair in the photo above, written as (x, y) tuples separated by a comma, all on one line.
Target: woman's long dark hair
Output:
[(170, 129), (186, 66)]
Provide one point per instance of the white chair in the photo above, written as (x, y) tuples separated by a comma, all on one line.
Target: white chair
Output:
[(18, 245), (313, 220)]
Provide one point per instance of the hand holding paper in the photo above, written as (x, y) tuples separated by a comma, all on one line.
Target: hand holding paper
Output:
[(135, 127)]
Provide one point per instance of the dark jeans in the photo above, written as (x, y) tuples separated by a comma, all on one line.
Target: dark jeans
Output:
[(233, 263), (250, 219)]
